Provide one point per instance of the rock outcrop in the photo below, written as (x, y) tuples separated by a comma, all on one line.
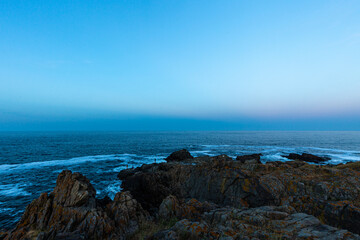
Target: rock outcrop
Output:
[(179, 156), (267, 222), (72, 212), (254, 158), (327, 192)]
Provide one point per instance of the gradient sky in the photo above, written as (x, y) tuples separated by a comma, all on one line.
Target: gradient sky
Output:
[(179, 65)]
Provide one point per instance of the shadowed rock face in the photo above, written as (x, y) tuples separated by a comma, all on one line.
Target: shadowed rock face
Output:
[(255, 158), (179, 156), (72, 212)]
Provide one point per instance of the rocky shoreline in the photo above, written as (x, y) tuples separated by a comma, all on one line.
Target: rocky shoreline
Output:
[(203, 198)]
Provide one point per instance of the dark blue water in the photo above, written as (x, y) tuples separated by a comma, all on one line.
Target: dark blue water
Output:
[(31, 161)]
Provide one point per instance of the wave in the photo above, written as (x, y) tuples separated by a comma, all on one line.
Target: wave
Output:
[(5, 168), (112, 187), (13, 190), (274, 153), (276, 147), (7, 210)]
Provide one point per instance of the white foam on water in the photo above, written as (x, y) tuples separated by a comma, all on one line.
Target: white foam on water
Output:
[(112, 187), (200, 152), (13, 190), (118, 169), (6, 168), (216, 146), (344, 157), (152, 158), (274, 153), (9, 211), (138, 161), (274, 157), (332, 149)]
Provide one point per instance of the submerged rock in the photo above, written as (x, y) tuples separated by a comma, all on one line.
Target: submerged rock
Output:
[(306, 157)]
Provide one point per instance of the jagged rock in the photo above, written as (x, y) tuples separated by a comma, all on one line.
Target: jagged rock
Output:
[(171, 207), (216, 180), (150, 184), (253, 158), (268, 222), (3, 235), (179, 156), (74, 190), (306, 157), (71, 212), (315, 190)]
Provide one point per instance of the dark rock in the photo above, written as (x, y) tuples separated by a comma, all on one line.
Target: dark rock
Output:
[(103, 202), (268, 222), (70, 212), (312, 189), (3, 235), (179, 156), (74, 190), (150, 185), (306, 157), (192, 209), (253, 158)]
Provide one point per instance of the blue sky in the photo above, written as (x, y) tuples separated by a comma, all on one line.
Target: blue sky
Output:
[(179, 65)]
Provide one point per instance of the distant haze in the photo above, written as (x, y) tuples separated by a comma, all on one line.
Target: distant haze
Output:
[(179, 65)]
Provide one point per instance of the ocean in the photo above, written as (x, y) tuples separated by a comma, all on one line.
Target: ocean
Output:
[(31, 161)]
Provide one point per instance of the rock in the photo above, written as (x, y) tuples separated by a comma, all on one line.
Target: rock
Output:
[(191, 230), (269, 222), (306, 157), (179, 156), (171, 207), (253, 158), (72, 212), (311, 189), (3, 235), (74, 190), (103, 202), (150, 186), (219, 180)]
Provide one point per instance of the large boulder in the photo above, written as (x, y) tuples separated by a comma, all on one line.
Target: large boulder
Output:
[(74, 190), (72, 212), (219, 180), (150, 184), (179, 156), (252, 158)]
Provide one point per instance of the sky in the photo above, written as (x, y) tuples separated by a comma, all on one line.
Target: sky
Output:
[(179, 65)]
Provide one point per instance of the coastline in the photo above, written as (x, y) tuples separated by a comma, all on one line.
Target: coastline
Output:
[(190, 197)]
